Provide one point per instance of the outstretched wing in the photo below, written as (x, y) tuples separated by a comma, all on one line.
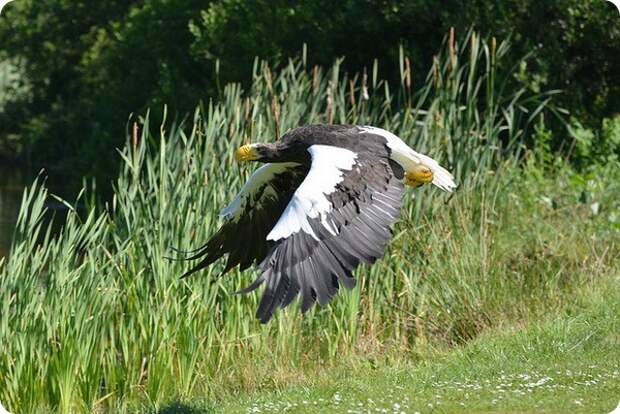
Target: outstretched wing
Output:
[(250, 217), (339, 217)]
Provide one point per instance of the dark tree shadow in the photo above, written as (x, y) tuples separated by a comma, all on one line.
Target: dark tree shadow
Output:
[(180, 408)]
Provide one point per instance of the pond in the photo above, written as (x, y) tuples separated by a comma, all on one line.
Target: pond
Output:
[(12, 183), (13, 180)]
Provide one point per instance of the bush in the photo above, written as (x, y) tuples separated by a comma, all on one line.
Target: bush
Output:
[(90, 65), (596, 146)]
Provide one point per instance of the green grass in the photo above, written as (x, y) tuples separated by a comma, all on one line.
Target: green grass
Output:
[(570, 363), (94, 318), (548, 321)]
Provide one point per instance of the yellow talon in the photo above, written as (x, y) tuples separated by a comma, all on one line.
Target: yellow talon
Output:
[(418, 176)]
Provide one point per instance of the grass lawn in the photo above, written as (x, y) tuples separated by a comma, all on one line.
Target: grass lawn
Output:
[(570, 364)]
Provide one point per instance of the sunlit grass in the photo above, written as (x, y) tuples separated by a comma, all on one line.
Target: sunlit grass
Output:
[(566, 364), (95, 317)]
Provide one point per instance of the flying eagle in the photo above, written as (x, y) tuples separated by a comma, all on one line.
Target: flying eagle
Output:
[(322, 203)]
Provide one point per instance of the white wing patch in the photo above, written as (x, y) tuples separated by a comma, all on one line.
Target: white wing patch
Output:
[(409, 159), (257, 180), (309, 200), (2, 409)]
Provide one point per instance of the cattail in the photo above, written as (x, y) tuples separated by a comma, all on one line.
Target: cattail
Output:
[(268, 78), (364, 91), (401, 64), (315, 79), (451, 48), (275, 110), (407, 73), (436, 78), (247, 110), (237, 118), (352, 91), (134, 137), (330, 104)]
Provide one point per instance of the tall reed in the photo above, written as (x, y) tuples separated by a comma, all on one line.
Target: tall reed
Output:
[(95, 317)]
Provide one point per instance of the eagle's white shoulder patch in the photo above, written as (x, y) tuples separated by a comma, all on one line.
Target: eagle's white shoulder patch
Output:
[(3, 410), (2, 4), (309, 200)]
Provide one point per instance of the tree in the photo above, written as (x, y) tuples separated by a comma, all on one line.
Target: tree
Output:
[(82, 67)]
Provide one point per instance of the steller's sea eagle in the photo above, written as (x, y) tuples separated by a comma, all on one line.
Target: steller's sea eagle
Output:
[(323, 203)]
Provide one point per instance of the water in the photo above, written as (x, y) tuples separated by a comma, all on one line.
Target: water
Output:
[(13, 180), (12, 183)]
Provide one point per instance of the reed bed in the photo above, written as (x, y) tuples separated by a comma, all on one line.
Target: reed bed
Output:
[(95, 318)]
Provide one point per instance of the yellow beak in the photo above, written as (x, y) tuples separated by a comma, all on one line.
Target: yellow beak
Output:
[(246, 153)]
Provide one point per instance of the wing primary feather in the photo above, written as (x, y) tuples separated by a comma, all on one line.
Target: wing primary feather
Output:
[(292, 292), (191, 251), (273, 296), (252, 286), (318, 282), (273, 280), (204, 263), (308, 296)]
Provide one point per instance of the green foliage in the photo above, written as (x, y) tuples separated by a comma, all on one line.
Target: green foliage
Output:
[(596, 146), (95, 318), (90, 65), (573, 44), (12, 86), (611, 134), (542, 151), (567, 364), (15, 94), (236, 31)]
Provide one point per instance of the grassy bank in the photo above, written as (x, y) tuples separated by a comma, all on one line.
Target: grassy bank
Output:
[(547, 318), (568, 363), (514, 309), (94, 318)]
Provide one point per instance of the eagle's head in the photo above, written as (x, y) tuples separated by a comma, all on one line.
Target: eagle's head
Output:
[(273, 152)]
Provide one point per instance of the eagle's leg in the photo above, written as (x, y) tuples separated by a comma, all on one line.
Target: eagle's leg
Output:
[(418, 176)]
